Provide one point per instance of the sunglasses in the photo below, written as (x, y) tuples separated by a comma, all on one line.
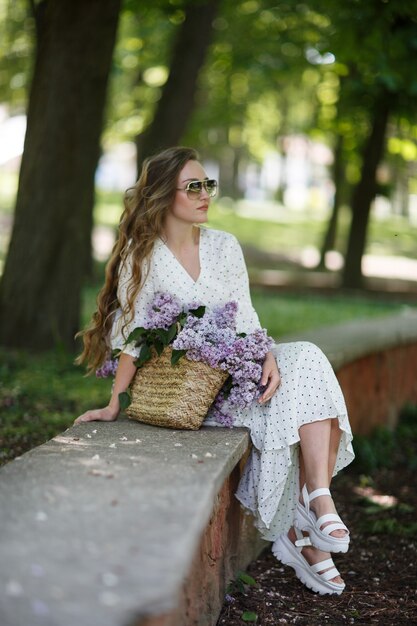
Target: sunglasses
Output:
[(194, 188)]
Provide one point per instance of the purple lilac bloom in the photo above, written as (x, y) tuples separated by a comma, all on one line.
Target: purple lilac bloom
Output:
[(212, 339), (162, 311), (225, 317), (108, 368), (218, 412)]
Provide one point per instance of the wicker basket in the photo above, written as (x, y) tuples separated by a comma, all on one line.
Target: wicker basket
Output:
[(176, 396)]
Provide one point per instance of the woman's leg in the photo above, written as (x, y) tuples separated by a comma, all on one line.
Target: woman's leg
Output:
[(319, 443), (315, 454)]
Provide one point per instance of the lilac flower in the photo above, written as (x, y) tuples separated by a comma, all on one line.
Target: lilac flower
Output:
[(218, 411), (108, 368), (212, 339), (225, 316), (162, 311), (229, 598)]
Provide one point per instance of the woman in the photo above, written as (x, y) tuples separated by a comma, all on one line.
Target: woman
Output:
[(299, 427)]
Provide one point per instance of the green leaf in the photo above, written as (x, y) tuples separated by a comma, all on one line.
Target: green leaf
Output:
[(136, 334), (198, 312), (124, 400), (182, 317), (159, 347), (176, 355), (144, 356), (172, 331), (248, 580), (161, 334), (249, 616)]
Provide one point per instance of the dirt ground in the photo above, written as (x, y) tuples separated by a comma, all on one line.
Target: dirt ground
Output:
[(380, 569)]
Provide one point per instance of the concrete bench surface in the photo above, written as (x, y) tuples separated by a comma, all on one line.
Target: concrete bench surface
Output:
[(104, 520)]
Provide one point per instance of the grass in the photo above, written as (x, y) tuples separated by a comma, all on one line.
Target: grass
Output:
[(284, 314), (288, 231), (40, 395)]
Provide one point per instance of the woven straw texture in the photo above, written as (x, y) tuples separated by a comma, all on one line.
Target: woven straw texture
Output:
[(176, 396)]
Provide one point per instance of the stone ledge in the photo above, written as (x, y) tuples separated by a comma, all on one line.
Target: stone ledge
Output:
[(97, 526), (375, 362), (349, 341)]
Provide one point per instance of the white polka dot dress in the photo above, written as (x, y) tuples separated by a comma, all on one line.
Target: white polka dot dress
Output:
[(309, 390)]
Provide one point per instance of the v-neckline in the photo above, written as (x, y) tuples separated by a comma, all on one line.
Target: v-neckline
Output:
[(201, 238)]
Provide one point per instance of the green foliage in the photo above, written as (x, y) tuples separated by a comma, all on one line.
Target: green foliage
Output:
[(40, 396), (386, 448), (380, 519), (384, 451), (16, 52), (390, 526), (241, 583), (124, 400), (140, 66), (249, 616)]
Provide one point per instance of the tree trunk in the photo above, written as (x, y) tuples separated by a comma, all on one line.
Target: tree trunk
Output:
[(364, 192), (177, 100), (338, 178), (51, 239)]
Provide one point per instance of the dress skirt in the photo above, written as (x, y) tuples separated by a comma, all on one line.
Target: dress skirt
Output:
[(309, 392)]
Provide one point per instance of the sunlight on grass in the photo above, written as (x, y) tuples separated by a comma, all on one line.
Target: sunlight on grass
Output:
[(289, 231), (283, 314)]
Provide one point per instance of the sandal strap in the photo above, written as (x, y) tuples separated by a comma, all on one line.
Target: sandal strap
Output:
[(331, 527), (318, 567), (331, 573), (322, 491), (301, 541), (328, 517)]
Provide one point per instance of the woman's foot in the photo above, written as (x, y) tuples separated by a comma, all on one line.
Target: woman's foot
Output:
[(313, 555), (323, 505), (316, 514), (314, 568)]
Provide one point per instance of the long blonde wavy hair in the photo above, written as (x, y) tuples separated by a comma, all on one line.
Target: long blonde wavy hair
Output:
[(146, 205)]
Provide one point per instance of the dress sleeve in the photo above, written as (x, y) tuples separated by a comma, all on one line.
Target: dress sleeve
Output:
[(247, 319), (121, 327)]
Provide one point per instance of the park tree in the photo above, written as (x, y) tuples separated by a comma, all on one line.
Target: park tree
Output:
[(176, 102), (50, 244), (379, 39), (249, 95)]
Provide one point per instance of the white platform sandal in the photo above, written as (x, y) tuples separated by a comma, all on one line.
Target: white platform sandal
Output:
[(306, 519), (312, 576)]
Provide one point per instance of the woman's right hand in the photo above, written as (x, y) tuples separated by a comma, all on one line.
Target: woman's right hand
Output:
[(107, 414), (126, 369)]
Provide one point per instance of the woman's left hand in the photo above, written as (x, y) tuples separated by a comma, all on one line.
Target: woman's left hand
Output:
[(270, 377)]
